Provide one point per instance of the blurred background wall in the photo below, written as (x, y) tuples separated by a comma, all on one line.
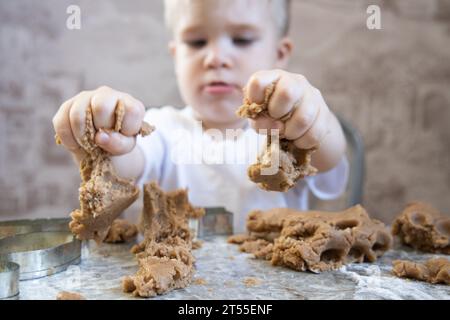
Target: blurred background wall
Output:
[(393, 84)]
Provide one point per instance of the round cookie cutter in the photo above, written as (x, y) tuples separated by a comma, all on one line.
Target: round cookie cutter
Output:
[(9, 279), (41, 254), (14, 227)]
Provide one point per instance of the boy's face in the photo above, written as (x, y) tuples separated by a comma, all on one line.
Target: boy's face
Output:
[(217, 46)]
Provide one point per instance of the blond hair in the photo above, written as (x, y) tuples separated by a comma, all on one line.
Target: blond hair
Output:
[(280, 10)]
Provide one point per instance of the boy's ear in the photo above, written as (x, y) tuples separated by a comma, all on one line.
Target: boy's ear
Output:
[(172, 48), (284, 52)]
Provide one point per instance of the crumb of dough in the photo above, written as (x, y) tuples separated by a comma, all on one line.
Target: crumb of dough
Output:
[(103, 195), (200, 281), (252, 282), (164, 256), (315, 240), (238, 238), (66, 295), (146, 129), (293, 163), (424, 228), (435, 270), (58, 140), (121, 231)]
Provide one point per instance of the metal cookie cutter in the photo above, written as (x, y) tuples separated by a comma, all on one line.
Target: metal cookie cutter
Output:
[(40, 254), (9, 279), (13, 227), (216, 221)]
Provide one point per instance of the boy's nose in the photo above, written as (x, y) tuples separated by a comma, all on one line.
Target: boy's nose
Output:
[(216, 58)]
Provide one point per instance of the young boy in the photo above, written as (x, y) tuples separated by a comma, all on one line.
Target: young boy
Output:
[(218, 47)]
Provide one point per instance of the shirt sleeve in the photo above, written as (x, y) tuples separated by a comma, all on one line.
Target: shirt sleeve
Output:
[(330, 184), (153, 149)]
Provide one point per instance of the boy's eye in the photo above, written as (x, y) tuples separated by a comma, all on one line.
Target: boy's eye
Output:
[(242, 42), (197, 43)]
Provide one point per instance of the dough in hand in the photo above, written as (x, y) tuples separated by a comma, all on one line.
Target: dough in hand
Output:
[(281, 164), (103, 194)]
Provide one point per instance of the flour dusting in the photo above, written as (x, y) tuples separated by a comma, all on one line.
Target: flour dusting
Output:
[(373, 282)]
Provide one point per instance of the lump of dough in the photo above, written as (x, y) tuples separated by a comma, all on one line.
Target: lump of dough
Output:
[(165, 255), (434, 270), (424, 228), (121, 231), (314, 240)]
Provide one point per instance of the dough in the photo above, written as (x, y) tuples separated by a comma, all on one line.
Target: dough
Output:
[(314, 240), (197, 244), (164, 257), (200, 282), (103, 195), (65, 295), (424, 228), (238, 238), (433, 271), (121, 231), (294, 163), (251, 282)]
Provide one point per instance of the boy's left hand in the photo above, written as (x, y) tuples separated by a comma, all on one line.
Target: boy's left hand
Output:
[(310, 115)]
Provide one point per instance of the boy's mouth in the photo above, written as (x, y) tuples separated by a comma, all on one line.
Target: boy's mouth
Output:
[(219, 87)]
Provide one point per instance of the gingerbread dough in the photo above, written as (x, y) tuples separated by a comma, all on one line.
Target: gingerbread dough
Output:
[(200, 282), (251, 282), (294, 163), (164, 257), (65, 295), (424, 228), (197, 244), (103, 195), (121, 231), (433, 271), (314, 240)]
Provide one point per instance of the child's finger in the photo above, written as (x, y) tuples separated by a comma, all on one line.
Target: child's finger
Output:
[(267, 123), (302, 118), (77, 114), (317, 132), (134, 115), (256, 86), (114, 142), (287, 93), (103, 105), (61, 124)]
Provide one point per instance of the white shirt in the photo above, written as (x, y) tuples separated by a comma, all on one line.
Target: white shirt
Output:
[(179, 154)]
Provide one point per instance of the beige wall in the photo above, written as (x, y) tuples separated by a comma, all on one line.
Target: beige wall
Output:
[(393, 84)]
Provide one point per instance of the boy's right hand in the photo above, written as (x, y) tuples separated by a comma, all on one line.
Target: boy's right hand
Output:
[(70, 121)]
